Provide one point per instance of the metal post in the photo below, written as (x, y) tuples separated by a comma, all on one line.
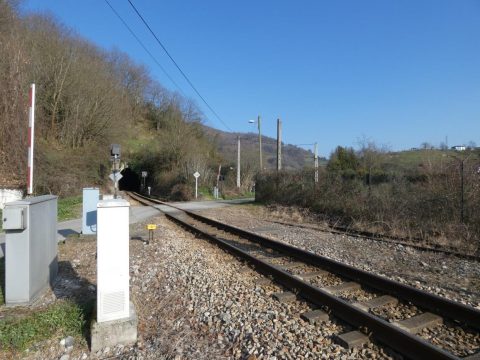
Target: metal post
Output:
[(218, 175), (31, 137), (315, 158), (196, 187), (462, 196), (260, 142), (279, 145), (238, 162), (115, 183)]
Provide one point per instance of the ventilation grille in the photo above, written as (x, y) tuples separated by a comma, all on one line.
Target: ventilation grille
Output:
[(113, 302)]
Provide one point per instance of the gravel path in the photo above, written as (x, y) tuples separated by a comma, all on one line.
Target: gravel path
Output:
[(447, 276)]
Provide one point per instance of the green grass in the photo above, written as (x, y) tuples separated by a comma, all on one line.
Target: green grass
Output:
[(2, 281), (205, 193), (61, 319), (233, 196), (69, 208), (414, 158)]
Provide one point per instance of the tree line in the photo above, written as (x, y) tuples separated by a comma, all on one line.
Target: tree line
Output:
[(86, 99)]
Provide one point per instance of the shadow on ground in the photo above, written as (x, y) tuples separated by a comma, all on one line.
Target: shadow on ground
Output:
[(72, 287)]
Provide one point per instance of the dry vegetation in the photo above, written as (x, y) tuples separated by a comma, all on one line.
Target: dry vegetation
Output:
[(86, 99), (371, 190)]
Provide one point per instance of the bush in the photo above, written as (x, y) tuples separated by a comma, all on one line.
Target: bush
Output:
[(181, 192), (415, 204)]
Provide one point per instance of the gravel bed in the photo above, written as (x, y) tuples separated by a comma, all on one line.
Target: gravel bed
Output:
[(326, 280), (453, 339), (302, 269), (448, 276), (193, 301), (358, 296), (397, 312)]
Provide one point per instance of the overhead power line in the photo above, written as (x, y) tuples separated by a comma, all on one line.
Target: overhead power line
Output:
[(145, 48), (177, 66)]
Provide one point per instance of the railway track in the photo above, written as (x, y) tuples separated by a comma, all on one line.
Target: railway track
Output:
[(431, 247), (355, 296)]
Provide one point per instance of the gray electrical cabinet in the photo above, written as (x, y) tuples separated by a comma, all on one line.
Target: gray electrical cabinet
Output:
[(30, 247), (91, 197)]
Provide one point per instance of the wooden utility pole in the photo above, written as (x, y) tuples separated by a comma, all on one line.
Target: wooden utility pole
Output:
[(315, 158), (260, 142), (238, 161), (279, 145)]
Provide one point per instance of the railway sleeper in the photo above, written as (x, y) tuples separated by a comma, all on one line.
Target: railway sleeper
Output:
[(352, 339), (417, 323), (311, 275), (473, 357), (284, 297), (315, 316), (262, 281), (377, 302), (341, 288)]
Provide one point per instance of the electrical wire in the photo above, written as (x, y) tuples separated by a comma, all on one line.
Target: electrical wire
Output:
[(145, 48), (177, 66)]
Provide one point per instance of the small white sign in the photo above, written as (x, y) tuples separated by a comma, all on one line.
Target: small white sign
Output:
[(196, 174), (115, 176)]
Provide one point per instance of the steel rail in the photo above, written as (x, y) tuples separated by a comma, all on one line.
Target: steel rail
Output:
[(394, 240), (401, 341), (437, 304), (448, 308)]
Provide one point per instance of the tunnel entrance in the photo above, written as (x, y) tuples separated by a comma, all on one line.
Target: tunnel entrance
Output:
[(130, 180)]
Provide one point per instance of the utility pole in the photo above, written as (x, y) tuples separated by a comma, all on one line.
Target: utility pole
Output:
[(279, 145), (238, 161), (315, 158), (462, 200), (260, 142)]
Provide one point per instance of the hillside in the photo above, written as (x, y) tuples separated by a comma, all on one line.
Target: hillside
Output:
[(293, 157)]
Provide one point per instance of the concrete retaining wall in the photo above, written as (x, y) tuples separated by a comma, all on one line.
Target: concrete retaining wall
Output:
[(7, 195)]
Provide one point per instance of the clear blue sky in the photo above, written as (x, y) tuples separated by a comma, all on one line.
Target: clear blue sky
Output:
[(398, 72)]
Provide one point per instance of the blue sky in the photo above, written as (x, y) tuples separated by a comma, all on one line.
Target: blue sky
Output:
[(396, 72)]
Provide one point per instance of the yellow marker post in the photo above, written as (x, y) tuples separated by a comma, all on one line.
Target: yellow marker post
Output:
[(150, 228)]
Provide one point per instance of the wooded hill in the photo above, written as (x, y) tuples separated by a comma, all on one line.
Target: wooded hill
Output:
[(88, 98), (293, 157)]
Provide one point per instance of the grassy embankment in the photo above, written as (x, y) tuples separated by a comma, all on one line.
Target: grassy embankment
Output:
[(18, 333), (69, 208)]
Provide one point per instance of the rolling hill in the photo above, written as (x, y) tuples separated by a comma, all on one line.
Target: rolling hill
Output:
[(293, 157)]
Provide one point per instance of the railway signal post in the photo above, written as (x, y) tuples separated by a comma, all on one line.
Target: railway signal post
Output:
[(115, 157), (196, 174)]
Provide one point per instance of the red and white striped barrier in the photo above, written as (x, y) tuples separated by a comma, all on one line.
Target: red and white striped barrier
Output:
[(31, 133)]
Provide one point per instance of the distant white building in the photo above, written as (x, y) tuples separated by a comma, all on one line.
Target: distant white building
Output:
[(459, 147)]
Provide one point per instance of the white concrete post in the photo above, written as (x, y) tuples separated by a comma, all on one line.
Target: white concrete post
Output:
[(113, 236)]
